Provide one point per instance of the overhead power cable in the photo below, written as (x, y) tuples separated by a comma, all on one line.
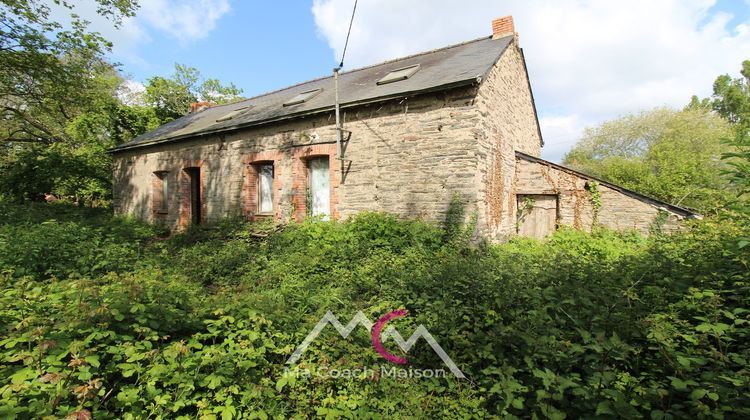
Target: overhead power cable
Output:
[(341, 65)]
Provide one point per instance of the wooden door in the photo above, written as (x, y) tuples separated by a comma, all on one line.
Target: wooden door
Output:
[(537, 215)]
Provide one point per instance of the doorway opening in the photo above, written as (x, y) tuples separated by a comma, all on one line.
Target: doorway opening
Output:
[(195, 194), (536, 215)]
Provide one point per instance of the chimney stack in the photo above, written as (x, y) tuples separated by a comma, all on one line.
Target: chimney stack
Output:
[(503, 27), (199, 106)]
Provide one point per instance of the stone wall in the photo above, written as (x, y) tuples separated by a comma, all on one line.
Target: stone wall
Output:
[(576, 207), (406, 157), (509, 123)]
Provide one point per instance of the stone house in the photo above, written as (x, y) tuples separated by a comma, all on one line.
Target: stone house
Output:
[(416, 131)]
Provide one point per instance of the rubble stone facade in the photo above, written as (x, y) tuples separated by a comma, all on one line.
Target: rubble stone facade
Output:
[(407, 156)]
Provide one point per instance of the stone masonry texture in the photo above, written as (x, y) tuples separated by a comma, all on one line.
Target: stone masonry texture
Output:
[(407, 156)]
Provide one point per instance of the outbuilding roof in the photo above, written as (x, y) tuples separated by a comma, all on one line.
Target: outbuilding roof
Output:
[(681, 211), (438, 70)]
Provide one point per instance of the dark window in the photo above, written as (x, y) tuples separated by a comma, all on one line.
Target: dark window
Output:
[(161, 192), (195, 195), (233, 114)]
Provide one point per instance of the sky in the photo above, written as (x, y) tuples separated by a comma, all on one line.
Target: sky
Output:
[(589, 60)]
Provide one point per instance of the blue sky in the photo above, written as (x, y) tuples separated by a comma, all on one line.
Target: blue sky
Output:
[(258, 45), (738, 8), (589, 60)]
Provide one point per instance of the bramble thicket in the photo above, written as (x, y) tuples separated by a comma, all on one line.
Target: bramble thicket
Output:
[(109, 316)]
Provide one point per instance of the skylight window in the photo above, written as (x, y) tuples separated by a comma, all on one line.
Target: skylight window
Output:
[(229, 116), (303, 97), (399, 74)]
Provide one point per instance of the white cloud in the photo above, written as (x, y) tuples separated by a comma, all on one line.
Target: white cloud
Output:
[(588, 60), (560, 132), (184, 20), (131, 92)]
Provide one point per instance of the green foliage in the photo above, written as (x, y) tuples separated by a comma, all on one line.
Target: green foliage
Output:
[(71, 162), (524, 210), (731, 99), (60, 103), (200, 324), (670, 155), (80, 175), (46, 72), (171, 97), (456, 227), (596, 199), (51, 247), (101, 333), (657, 226)]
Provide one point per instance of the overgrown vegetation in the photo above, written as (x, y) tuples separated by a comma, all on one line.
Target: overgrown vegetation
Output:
[(111, 317), (63, 104), (731, 100), (696, 157), (674, 156)]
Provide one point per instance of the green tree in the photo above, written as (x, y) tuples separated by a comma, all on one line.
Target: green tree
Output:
[(59, 102), (731, 99), (172, 96), (46, 72), (671, 155), (75, 165), (212, 90)]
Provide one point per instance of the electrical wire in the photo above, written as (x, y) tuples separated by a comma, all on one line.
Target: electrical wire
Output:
[(347, 35)]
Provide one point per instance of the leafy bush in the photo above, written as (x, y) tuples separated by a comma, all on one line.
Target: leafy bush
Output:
[(44, 244), (200, 324)]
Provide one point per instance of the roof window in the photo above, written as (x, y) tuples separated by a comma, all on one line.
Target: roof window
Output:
[(303, 97), (399, 74), (229, 116)]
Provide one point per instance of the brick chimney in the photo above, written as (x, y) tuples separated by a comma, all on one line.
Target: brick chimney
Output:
[(199, 106), (503, 27)]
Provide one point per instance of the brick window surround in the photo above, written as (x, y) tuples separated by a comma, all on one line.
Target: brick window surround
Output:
[(250, 182), (300, 181), (184, 188)]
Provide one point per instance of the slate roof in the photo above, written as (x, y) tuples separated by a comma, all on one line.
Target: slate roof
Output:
[(440, 69)]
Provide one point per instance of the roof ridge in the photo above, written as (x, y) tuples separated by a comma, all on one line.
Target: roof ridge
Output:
[(393, 60), (364, 68), (451, 70)]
